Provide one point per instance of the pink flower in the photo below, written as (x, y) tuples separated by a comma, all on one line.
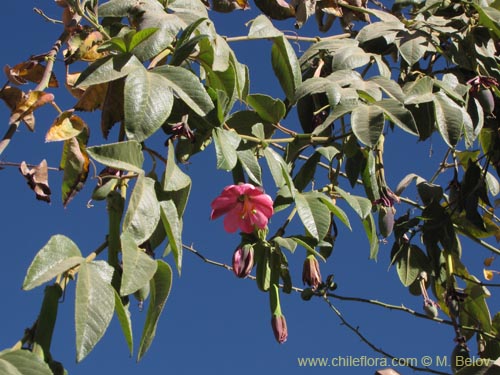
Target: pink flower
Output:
[(245, 207)]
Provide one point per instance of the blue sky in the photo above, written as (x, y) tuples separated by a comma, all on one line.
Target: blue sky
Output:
[(212, 322)]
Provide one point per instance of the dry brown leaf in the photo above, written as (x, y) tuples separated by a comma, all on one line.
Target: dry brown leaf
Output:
[(38, 179), (112, 110), (28, 103), (71, 79), (93, 98), (12, 96), (83, 45), (28, 71), (67, 125)]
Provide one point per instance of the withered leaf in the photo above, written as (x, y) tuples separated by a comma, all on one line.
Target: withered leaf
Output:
[(75, 163), (12, 96), (71, 79), (93, 98), (28, 103), (28, 71), (67, 125), (112, 110), (38, 179), (82, 46)]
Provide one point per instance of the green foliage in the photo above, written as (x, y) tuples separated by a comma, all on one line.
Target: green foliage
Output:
[(429, 71)]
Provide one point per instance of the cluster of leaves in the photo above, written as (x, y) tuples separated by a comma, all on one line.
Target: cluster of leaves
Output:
[(161, 69)]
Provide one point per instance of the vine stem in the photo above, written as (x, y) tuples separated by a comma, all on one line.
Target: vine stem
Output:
[(295, 38)]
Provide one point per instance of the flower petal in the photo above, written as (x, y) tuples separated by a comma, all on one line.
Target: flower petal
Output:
[(232, 220), (263, 203), (258, 219)]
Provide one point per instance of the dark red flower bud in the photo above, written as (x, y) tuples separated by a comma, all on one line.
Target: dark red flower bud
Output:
[(278, 323), (310, 272), (386, 220), (243, 261)]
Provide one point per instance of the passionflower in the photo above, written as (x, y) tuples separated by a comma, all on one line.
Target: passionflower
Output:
[(246, 207)]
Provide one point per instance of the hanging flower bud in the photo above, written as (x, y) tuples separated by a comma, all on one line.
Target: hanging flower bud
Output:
[(310, 272), (243, 261), (278, 323)]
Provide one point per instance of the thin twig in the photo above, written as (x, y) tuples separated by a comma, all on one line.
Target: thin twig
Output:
[(376, 349), (11, 164), (290, 37), (411, 312)]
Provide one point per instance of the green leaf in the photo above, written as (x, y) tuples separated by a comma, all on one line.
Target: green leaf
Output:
[(186, 43), (173, 226), (160, 289), (371, 233), (367, 123), (123, 315), (117, 8), (286, 66), (148, 102), (351, 57), (57, 256), (22, 362), (336, 210), (138, 267), (475, 309), (139, 37), (308, 243), (489, 17), (449, 118), (390, 87), (276, 165), (143, 212), (226, 143), (329, 152), (313, 213), (188, 87), (268, 108), (125, 156), (94, 305), (306, 172), (361, 205), (287, 243), (262, 28), (410, 261), (398, 115), (146, 15), (316, 85), (250, 164), (419, 91), (413, 48), (108, 69), (175, 179)]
